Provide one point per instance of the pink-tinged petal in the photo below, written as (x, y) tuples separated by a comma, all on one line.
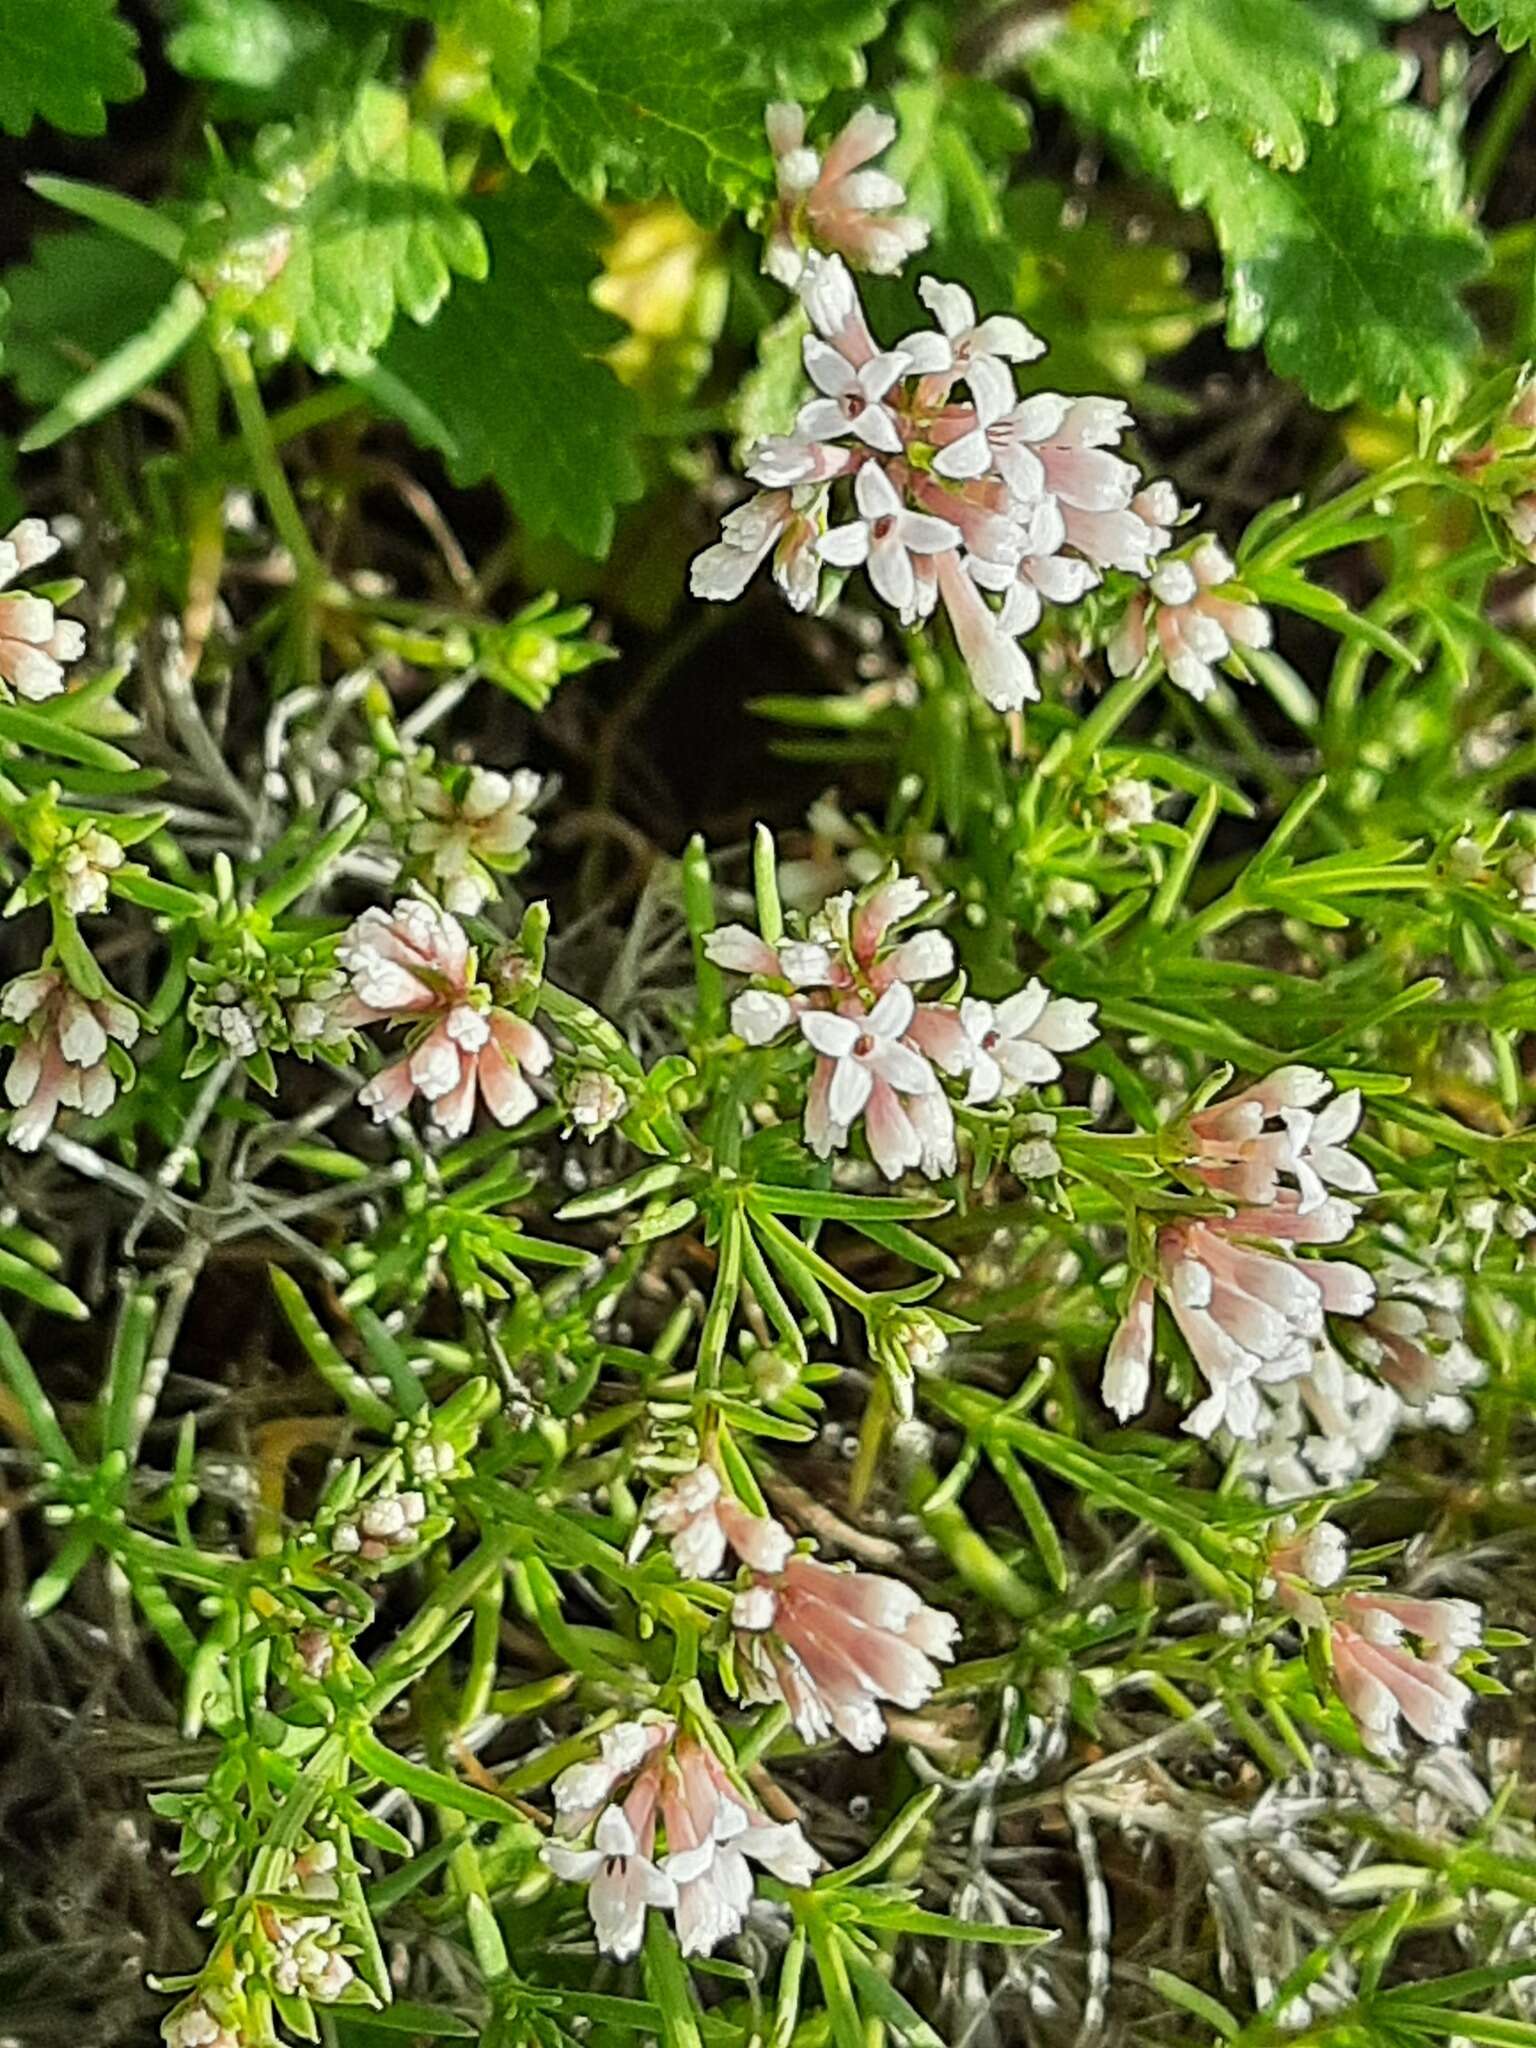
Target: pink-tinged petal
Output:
[(903, 1069), (1128, 1362), (507, 1095), (822, 420), (893, 1143), (827, 369), (454, 1112), (521, 1041), (950, 304), (784, 121), (893, 1013), (390, 1093), (852, 1082), (934, 1122), (1000, 334), (863, 135), (926, 535), (828, 295), (970, 456), (845, 547), (740, 951), (928, 354), (821, 1134), (874, 493), (829, 1033), (877, 376), (889, 567), (991, 385), (876, 429)]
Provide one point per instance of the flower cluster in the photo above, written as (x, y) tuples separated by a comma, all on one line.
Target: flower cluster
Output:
[(1381, 1678), (36, 645), (835, 202), (1193, 615), (953, 495), (849, 990), (414, 965), (64, 1052), (666, 1826), (831, 1644), (252, 998), (461, 830), (1250, 1309)]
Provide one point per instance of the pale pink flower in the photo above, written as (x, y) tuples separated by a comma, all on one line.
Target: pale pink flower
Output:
[(1251, 1314), (1247, 1143), (980, 352), (1127, 1380), (35, 644), (1017, 1040), (832, 305), (1383, 1683), (61, 1058), (673, 1783), (885, 538), (1302, 1566), (703, 1522), (783, 523), (461, 837), (834, 200), (866, 1069), (1196, 626), (998, 666), (414, 965), (711, 1834), (853, 399), (831, 1644)]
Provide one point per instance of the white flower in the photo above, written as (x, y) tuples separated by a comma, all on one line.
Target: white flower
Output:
[(885, 539), (35, 644), (865, 1050), (1016, 1041), (982, 352), (852, 400)]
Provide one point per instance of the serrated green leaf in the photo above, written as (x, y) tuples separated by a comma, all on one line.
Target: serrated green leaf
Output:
[(1349, 269), (512, 371), (332, 228), (1267, 73), (1514, 21), (63, 60), (643, 96), (76, 301)]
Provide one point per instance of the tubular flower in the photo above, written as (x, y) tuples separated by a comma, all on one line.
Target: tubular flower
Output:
[(963, 494), (413, 965), (1196, 626), (832, 1644), (35, 644), (1245, 1146), (703, 1522), (464, 833), (679, 1838), (849, 988), (1251, 1312), (834, 201), (60, 1061), (1383, 1682)]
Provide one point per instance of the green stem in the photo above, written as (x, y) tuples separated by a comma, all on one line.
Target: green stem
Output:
[(1502, 125), (271, 479)]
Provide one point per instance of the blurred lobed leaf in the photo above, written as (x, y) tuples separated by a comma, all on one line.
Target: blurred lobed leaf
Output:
[(564, 449), (641, 96), (1349, 269), (77, 299), (264, 58), (1267, 73), (63, 60), (1513, 21), (333, 226)]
